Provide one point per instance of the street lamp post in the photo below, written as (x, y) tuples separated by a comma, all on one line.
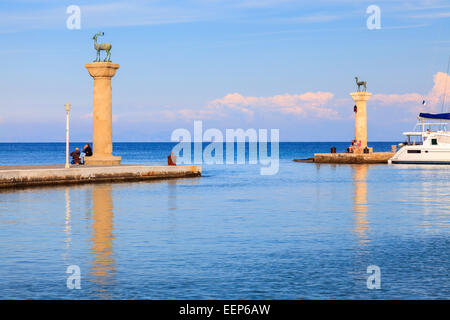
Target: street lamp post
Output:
[(67, 106)]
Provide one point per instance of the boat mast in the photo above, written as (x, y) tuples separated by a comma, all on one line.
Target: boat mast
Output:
[(445, 87)]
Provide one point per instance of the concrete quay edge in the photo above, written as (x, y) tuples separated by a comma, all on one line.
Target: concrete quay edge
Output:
[(24, 176)]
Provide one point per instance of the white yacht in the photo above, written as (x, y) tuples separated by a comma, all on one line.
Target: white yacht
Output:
[(426, 146)]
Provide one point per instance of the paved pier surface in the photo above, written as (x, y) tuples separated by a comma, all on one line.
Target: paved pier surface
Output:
[(375, 157), (25, 176)]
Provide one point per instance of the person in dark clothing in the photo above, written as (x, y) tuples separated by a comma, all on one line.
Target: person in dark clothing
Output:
[(87, 149), (75, 156)]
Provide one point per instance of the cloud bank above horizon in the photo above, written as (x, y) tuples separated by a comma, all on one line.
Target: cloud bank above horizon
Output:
[(313, 105)]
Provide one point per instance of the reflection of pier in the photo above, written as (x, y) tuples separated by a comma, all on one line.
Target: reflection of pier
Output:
[(172, 197), (103, 267), (360, 209)]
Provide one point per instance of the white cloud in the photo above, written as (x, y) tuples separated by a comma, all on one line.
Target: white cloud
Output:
[(115, 117), (112, 14), (86, 116), (413, 101), (433, 15), (396, 99), (306, 104), (309, 104)]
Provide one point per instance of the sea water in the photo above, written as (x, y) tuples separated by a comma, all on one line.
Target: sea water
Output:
[(309, 232)]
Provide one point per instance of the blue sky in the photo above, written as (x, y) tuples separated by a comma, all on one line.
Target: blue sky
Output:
[(282, 64)]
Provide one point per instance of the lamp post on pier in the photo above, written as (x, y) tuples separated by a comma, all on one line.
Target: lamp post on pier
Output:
[(67, 106)]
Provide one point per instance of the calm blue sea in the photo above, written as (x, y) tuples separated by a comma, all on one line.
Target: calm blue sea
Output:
[(308, 232)]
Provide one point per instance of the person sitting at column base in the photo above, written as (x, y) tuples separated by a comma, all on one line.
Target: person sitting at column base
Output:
[(87, 152), (75, 156)]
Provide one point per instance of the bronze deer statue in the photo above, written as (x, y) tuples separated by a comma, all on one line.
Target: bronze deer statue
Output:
[(361, 83), (102, 46)]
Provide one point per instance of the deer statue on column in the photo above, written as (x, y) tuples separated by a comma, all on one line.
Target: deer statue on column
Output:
[(102, 46), (361, 83)]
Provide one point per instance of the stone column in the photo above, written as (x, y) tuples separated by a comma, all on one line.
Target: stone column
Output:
[(360, 98), (102, 72)]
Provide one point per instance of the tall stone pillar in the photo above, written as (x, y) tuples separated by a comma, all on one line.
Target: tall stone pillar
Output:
[(102, 72), (360, 98)]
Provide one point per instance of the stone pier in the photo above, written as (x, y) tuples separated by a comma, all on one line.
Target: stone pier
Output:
[(349, 158), (29, 176), (102, 72)]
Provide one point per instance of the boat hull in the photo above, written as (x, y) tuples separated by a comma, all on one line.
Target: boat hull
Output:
[(418, 162), (422, 154)]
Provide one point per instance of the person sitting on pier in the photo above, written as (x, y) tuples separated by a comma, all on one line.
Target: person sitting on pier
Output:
[(87, 149), (75, 156), (172, 159), (352, 147), (87, 152)]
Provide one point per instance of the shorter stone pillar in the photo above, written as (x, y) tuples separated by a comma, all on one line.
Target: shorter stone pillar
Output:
[(102, 72), (360, 98)]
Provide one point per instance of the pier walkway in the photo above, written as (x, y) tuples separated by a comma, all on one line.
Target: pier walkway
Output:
[(349, 158), (26, 176)]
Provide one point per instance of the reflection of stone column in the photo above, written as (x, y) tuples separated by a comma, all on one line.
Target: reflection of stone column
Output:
[(360, 98), (360, 201), (102, 235), (102, 72)]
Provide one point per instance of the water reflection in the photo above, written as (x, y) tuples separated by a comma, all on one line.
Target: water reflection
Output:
[(67, 225), (103, 267), (431, 189), (172, 197), (360, 210)]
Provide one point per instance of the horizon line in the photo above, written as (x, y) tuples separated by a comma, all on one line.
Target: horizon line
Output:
[(4, 142)]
